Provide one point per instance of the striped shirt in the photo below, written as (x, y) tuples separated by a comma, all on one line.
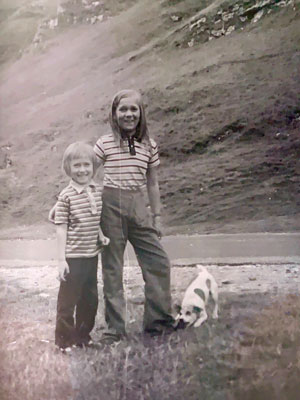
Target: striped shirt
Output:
[(121, 169), (80, 208)]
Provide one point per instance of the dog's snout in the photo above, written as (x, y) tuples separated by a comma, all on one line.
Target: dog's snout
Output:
[(181, 324)]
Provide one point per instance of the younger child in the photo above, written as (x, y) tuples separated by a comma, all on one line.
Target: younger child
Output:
[(79, 240)]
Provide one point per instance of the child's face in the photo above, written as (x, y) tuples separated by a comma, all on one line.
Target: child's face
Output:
[(128, 114), (81, 170)]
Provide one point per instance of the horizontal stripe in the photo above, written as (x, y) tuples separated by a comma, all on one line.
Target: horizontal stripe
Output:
[(129, 180), (121, 169), (83, 255), (81, 246), (86, 241), (129, 168), (86, 231), (121, 173), (83, 219), (75, 210), (86, 224), (83, 213)]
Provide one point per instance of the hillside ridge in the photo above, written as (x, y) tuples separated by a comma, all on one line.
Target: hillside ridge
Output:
[(222, 100)]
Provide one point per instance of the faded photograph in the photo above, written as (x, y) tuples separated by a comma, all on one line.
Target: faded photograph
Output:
[(150, 199)]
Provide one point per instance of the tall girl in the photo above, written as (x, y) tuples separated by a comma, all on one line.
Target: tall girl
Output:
[(130, 159)]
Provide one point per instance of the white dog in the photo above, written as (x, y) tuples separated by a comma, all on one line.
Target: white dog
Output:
[(193, 307)]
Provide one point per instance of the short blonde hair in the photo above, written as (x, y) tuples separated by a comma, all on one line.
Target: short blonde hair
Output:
[(78, 150)]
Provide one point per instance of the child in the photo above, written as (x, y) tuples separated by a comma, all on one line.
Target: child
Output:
[(130, 159), (79, 239)]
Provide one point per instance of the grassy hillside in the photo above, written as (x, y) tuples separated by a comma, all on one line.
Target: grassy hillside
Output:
[(221, 82)]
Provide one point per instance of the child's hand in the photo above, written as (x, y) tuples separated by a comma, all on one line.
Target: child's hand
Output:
[(51, 215), (104, 241), (158, 226), (63, 270)]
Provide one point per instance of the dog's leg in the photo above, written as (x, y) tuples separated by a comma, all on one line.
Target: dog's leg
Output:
[(215, 312), (176, 321), (202, 318), (215, 297)]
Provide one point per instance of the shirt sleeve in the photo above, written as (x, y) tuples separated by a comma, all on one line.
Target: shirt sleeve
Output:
[(154, 159), (99, 150), (62, 210)]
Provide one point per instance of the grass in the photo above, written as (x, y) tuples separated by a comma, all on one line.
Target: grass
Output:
[(251, 352), (272, 348)]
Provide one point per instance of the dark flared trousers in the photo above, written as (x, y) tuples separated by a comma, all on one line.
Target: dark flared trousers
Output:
[(78, 295), (125, 216)]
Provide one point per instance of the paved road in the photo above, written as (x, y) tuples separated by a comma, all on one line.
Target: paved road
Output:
[(182, 249)]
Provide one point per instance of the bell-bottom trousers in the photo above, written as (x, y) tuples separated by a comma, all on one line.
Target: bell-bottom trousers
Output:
[(125, 217)]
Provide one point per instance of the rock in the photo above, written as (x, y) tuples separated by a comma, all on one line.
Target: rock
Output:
[(217, 33), (227, 16), (175, 18), (96, 18), (5, 161), (226, 282), (53, 23), (191, 43), (258, 16), (230, 29)]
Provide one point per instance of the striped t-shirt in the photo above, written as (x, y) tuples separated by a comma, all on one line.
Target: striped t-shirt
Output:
[(80, 208), (121, 169)]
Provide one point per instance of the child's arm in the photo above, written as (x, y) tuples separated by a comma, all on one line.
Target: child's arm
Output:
[(154, 198), (63, 267), (51, 215)]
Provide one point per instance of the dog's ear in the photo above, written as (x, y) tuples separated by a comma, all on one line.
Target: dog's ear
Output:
[(197, 310), (177, 308)]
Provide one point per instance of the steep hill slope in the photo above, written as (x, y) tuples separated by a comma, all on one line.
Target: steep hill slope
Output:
[(221, 81)]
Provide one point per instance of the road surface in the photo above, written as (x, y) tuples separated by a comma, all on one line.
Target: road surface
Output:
[(182, 249)]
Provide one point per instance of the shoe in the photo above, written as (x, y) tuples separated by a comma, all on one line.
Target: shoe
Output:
[(162, 331), (65, 350), (111, 338), (90, 345), (85, 343)]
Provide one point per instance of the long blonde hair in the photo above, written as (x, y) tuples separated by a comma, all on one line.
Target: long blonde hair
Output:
[(142, 133)]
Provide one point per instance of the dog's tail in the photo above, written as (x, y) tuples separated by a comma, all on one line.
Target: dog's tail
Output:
[(200, 268)]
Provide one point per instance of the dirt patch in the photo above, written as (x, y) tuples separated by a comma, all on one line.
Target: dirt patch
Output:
[(240, 279)]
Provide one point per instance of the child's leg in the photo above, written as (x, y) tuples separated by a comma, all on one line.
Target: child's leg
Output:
[(155, 266), (68, 295), (156, 273), (87, 305), (114, 226)]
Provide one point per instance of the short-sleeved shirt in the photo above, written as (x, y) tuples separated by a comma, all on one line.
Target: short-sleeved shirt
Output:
[(80, 208), (121, 169)]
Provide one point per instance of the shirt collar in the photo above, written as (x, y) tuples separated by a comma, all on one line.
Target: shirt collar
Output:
[(79, 188)]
